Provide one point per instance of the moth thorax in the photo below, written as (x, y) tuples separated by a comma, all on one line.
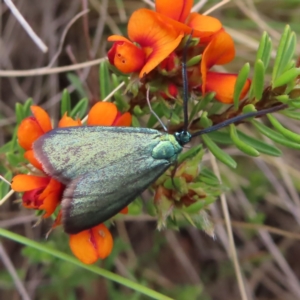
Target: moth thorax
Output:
[(168, 148)]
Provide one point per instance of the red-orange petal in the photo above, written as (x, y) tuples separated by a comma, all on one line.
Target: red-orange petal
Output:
[(66, 121), (58, 220), (218, 52), (123, 120), (50, 203), (29, 131), (206, 26), (90, 245), (42, 118), (29, 155), (155, 35), (22, 182), (178, 10), (102, 114), (118, 38), (53, 186), (126, 57), (124, 211), (104, 240), (223, 85)]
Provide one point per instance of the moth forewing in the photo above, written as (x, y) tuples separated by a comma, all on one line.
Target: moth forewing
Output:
[(66, 153)]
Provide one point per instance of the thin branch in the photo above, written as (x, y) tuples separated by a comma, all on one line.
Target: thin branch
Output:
[(64, 34), (26, 26), (48, 71), (13, 273), (215, 7), (234, 255)]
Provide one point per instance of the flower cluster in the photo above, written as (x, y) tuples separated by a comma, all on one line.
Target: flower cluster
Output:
[(41, 192), (157, 42)]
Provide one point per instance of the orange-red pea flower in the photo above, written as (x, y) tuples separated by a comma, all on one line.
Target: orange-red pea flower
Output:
[(223, 85), (218, 49), (152, 39), (204, 27), (40, 192), (107, 114), (91, 244)]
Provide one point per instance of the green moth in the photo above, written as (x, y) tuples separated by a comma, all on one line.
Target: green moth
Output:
[(104, 168)]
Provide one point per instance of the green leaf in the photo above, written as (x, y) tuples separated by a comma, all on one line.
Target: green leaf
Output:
[(267, 52), (259, 145), (264, 50), (283, 98), (204, 121), (220, 137), (199, 205), (19, 113), (239, 84), (76, 82), (105, 85), (26, 107), (274, 136), (286, 77), (291, 114), (152, 119), (65, 106), (189, 154), (13, 159), (219, 153), (258, 79), (249, 108), (135, 122), (285, 52), (243, 146), (202, 103), (4, 187), (6, 147), (118, 96), (285, 132), (261, 46), (80, 109), (194, 61), (215, 108)]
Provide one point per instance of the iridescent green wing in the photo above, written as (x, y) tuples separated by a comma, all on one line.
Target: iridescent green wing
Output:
[(96, 196), (67, 153)]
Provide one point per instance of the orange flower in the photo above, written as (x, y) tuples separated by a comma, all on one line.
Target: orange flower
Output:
[(218, 49), (223, 85), (107, 114), (204, 27), (152, 39), (161, 46), (32, 128), (92, 244), (40, 192)]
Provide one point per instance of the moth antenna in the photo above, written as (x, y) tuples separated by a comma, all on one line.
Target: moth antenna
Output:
[(153, 112), (240, 118), (185, 84)]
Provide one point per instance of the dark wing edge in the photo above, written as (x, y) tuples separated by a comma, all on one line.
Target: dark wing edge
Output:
[(75, 223)]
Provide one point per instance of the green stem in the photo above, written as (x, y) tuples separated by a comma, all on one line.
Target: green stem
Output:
[(107, 274)]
